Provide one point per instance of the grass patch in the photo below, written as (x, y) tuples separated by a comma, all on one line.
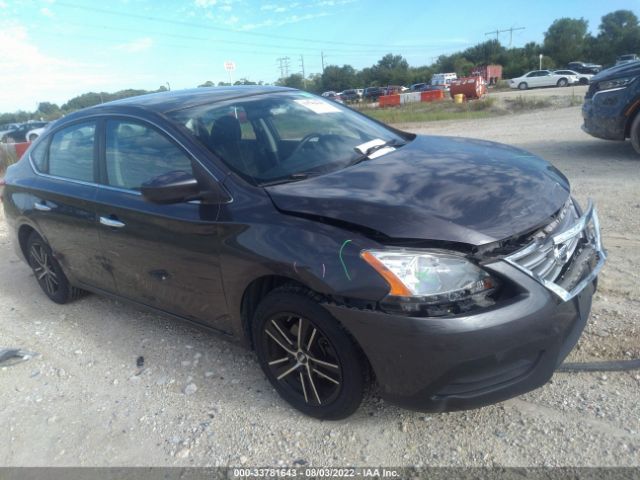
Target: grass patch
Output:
[(522, 103), (433, 111)]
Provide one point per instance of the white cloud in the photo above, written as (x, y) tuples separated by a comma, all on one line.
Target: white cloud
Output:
[(46, 12), (3, 4), (284, 21), (136, 46), (233, 20), (29, 76), (205, 3)]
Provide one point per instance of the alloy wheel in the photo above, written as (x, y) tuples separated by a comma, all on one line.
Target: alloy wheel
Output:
[(43, 267), (302, 359)]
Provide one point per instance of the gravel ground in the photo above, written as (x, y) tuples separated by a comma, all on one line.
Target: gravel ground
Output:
[(199, 400)]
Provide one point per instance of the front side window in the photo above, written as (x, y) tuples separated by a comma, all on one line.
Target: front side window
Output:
[(137, 152), (71, 152), (293, 135)]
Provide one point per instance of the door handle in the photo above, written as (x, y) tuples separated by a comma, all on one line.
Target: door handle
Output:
[(111, 222), (41, 207)]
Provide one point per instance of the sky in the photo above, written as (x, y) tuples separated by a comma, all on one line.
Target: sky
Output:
[(53, 50)]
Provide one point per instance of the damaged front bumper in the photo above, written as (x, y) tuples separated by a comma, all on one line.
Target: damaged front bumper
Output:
[(467, 361)]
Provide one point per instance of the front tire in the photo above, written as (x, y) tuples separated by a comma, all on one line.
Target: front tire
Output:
[(307, 356), (523, 86), (48, 272), (635, 133)]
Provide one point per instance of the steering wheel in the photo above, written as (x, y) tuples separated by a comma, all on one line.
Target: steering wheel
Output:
[(306, 139)]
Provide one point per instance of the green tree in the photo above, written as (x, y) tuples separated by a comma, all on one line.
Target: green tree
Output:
[(338, 78), (294, 80), (392, 70), (565, 40), (619, 33)]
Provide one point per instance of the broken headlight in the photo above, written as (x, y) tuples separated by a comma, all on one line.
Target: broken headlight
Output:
[(431, 282)]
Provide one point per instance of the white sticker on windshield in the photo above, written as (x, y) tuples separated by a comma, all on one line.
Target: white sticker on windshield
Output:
[(364, 147), (318, 106)]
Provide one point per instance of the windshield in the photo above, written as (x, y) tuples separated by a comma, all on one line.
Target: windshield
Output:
[(284, 136)]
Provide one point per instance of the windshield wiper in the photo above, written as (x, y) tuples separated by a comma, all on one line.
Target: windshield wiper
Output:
[(294, 177), (374, 148)]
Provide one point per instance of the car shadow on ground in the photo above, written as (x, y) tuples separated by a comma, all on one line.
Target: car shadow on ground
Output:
[(584, 151)]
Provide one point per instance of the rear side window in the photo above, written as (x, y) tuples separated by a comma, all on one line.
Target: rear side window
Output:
[(71, 152), (39, 156), (136, 153)]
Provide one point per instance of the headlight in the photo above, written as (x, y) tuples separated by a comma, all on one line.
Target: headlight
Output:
[(431, 278), (615, 83)]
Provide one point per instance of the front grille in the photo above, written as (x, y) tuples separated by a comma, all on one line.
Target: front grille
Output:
[(554, 252)]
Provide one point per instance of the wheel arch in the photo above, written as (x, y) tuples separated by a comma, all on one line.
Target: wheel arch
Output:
[(24, 232), (632, 112), (253, 295)]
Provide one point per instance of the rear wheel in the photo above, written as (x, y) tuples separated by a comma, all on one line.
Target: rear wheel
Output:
[(48, 272), (307, 356), (563, 82), (635, 133), (523, 86)]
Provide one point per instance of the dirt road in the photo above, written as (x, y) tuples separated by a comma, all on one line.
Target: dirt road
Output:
[(83, 400)]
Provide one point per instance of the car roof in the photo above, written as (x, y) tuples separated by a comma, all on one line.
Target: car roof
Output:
[(163, 102)]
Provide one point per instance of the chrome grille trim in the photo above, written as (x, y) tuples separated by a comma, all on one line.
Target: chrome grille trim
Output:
[(546, 256)]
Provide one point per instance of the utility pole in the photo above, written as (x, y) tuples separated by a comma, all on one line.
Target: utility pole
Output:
[(304, 78), (510, 30), (322, 58), (283, 63), (279, 60)]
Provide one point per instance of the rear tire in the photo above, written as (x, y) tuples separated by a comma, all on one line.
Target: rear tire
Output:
[(523, 86), (635, 133), (48, 273), (563, 82), (308, 357)]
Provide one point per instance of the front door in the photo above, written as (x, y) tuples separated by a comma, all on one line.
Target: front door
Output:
[(164, 256)]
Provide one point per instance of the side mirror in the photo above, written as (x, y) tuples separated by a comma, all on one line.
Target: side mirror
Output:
[(181, 186)]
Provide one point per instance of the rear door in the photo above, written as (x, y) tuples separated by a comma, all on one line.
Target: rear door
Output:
[(164, 256), (61, 202)]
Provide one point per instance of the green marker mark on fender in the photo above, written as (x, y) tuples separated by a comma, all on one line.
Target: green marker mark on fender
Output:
[(344, 266)]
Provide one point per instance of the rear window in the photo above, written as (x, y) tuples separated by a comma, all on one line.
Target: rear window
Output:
[(71, 152)]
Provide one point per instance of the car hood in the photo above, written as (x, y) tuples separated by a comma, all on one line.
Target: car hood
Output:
[(632, 68), (435, 188)]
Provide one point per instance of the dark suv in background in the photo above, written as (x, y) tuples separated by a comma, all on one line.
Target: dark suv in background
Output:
[(582, 67), (372, 93), (612, 104)]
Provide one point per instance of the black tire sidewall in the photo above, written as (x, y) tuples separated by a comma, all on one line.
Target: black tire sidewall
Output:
[(350, 359), (63, 294), (522, 86), (635, 133)]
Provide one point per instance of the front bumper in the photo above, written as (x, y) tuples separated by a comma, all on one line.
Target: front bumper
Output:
[(467, 361), (445, 364), (603, 115)]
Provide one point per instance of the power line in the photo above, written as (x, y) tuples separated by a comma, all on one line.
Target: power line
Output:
[(215, 28), (205, 39), (510, 30)]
